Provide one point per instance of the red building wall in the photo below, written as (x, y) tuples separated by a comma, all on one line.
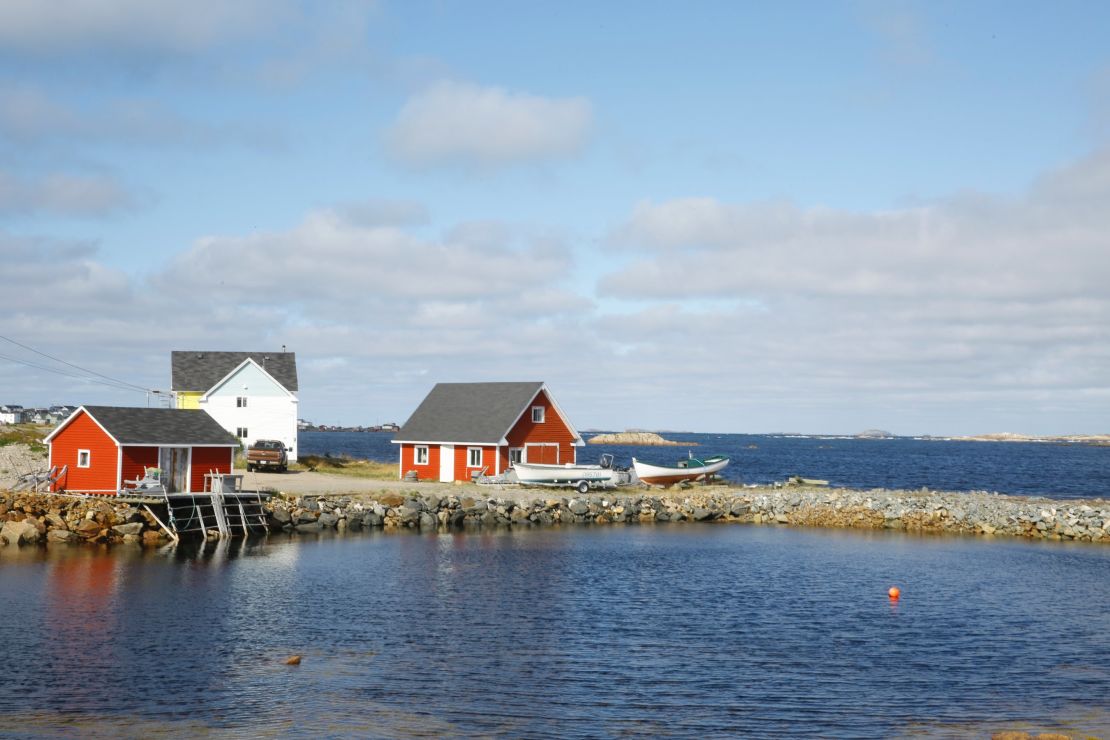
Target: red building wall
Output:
[(464, 472), (423, 472), (82, 433), (208, 460), (137, 458), (551, 429)]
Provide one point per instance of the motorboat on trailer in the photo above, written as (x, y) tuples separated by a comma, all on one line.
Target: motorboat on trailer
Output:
[(583, 477), (690, 469)]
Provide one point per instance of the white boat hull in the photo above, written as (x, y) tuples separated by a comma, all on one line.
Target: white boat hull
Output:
[(660, 475), (566, 474)]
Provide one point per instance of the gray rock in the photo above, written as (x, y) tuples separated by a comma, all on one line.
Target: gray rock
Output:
[(327, 520), (312, 526), (131, 528), (56, 521), (372, 519), (578, 508), (304, 516), (739, 508), (281, 514), (700, 515), (61, 535), (408, 514), (428, 521)]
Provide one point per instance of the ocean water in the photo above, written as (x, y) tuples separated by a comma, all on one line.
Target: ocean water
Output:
[(1065, 471), (671, 630)]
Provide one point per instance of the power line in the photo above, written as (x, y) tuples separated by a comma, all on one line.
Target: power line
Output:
[(116, 381), (110, 384)]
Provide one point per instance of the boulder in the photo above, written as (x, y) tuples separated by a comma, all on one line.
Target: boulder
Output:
[(19, 533), (313, 526), (61, 535), (579, 508), (391, 500), (281, 515), (428, 521), (328, 520), (131, 529), (88, 529), (152, 537)]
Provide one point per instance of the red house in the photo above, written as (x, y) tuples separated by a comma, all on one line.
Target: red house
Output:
[(103, 446), (465, 428)]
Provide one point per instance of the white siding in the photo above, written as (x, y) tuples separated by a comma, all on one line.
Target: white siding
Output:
[(270, 413)]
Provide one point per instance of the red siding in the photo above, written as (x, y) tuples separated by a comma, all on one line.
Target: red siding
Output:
[(551, 429), (463, 471), (208, 460), (423, 472), (137, 458), (82, 433)]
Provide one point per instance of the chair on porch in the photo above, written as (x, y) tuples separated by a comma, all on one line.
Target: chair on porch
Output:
[(151, 481)]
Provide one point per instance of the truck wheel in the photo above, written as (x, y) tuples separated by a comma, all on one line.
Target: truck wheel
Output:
[(583, 487), (250, 468)]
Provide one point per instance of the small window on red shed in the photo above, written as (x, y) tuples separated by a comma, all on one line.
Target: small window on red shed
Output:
[(84, 458), (537, 414)]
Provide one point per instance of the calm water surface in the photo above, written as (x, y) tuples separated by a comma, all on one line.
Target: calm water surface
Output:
[(588, 632)]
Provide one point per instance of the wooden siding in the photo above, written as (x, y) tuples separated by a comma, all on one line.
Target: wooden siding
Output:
[(423, 472), (189, 399), (465, 472), (137, 458), (82, 433), (209, 460), (551, 429)]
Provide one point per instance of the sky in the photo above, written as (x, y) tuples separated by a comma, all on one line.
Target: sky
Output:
[(809, 217)]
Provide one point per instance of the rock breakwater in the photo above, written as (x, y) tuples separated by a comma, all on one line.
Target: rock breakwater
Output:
[(34, 518), (910, 511)]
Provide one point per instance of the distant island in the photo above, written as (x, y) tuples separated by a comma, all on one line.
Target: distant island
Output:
[(874, 434), (637, 438), (1089, 439)]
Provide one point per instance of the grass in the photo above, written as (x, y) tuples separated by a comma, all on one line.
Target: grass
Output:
[(347, 466), (25, 434)]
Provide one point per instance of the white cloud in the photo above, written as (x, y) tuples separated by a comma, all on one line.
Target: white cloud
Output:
[(65, 26), (60, 193), (466, 125)]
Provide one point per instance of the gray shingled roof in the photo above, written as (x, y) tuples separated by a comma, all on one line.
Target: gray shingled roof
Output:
[(200, 370), (161, 426), (468, 412)]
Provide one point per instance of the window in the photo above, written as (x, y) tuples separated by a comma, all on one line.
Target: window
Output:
[(421, 454), (241, 402), (537, 414), (241, 432), (473, 457), (516, 454), (84, 457)]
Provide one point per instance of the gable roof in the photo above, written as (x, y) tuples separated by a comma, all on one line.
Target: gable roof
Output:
[(247, 363), (200, 370), (129, 425), (478, 413)]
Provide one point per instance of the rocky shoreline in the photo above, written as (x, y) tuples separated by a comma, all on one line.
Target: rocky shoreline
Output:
[(31, 519)]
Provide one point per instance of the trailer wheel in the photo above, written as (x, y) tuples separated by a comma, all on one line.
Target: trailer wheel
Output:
[(582, 487)]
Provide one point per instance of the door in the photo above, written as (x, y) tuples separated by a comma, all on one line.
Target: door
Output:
[(542, 453), (174, 462), (447, 463)]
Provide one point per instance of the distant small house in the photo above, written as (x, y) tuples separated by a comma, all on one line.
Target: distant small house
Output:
[(253, 395), (465, 428), (11, 414), (101, 447)]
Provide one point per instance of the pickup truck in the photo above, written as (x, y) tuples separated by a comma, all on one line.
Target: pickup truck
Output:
[(267, 453)]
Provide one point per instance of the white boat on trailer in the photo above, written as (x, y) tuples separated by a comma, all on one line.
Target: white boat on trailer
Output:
[(691, 469), (580, 477)]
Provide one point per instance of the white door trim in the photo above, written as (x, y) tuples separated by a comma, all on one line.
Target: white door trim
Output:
[(446, 463)]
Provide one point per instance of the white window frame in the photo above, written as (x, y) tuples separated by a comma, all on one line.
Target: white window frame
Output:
[(516, 454), (420, 451), (240, 402), (539, 420), (470, 457), (88, 458), (242, 432)]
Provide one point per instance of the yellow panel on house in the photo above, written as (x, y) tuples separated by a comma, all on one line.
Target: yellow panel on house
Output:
[(188, 399)]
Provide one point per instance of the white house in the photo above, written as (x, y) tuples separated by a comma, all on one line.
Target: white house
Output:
[(11, 414), (253, 395)]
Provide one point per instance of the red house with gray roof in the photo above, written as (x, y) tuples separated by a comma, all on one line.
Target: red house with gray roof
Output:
[(102, 447), (465, 428)]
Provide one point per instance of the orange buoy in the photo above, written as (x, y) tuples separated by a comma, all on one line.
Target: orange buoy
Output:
[(894, 593)]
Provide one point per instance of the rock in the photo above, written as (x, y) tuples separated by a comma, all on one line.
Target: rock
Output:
[(327, 520), (61, 535), (281, 514), (428, 521), (308, 527), (130, 529), (131, 539), (391, 500), (700, 515), (372, 519), (739, 508), (56, 521), (304, 516), (89, 529), (19, 533), (293, 660), (152, 537), (578, 508)]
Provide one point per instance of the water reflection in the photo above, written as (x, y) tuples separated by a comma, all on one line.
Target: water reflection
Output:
[(603, 631)]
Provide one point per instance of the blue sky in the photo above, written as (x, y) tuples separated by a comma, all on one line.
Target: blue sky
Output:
[(814, 217)]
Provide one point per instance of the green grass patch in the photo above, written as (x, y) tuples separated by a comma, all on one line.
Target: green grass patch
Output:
[(24, 434), (344, 465)]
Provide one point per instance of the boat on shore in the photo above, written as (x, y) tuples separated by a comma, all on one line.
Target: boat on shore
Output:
[(691, 469), (602, 475)]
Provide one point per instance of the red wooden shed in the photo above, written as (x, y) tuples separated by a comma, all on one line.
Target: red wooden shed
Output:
[(465, 428), (101, 447)]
